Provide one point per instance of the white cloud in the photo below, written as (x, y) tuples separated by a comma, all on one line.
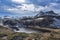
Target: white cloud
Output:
[(52, 6), (30, 8), (22, 9), (18, 1), (26, 8)]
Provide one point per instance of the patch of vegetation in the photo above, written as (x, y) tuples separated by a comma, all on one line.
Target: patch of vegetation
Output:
[(8, 34)]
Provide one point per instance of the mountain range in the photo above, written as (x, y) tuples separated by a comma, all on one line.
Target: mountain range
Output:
[(48, 19)]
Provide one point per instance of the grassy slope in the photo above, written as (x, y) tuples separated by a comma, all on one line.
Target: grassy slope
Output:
[(53, 35)]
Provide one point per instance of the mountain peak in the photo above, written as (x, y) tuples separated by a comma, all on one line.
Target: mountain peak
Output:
[(51, 12), (48, 13)]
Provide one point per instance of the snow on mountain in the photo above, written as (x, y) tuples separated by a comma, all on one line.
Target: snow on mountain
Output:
[(48, 13), (52, 15), (47, 16)]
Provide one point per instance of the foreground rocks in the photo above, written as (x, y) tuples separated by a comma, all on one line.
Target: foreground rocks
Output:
[(9, 34)]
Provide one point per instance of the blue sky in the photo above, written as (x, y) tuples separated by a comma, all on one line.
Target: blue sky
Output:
[(27, 7)]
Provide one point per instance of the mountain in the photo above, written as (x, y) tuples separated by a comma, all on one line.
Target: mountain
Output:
[(56, 23), (48, 13), (42, 19)]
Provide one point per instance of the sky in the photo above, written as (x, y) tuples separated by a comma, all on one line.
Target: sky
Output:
[(27, 7)]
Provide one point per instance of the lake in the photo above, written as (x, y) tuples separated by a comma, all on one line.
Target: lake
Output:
[(27, 30)]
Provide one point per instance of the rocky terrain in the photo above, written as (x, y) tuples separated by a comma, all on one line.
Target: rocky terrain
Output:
[(47, 23), (9, 34)]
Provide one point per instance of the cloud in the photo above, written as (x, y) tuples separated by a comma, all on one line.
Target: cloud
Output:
[(42, 2), (26, 8), (29, 7), (52, 6), (22, 9), (18, 1)]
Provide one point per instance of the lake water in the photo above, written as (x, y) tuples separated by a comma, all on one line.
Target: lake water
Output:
[(27, 30)]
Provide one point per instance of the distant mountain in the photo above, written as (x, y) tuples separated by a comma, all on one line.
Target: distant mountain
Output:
[(48, 13), (56, 23), (42, 19)]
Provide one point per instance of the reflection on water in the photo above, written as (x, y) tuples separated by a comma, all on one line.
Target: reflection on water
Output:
[(27, 30)]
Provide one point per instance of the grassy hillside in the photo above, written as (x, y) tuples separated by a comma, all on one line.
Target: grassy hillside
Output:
[(9, 34)]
